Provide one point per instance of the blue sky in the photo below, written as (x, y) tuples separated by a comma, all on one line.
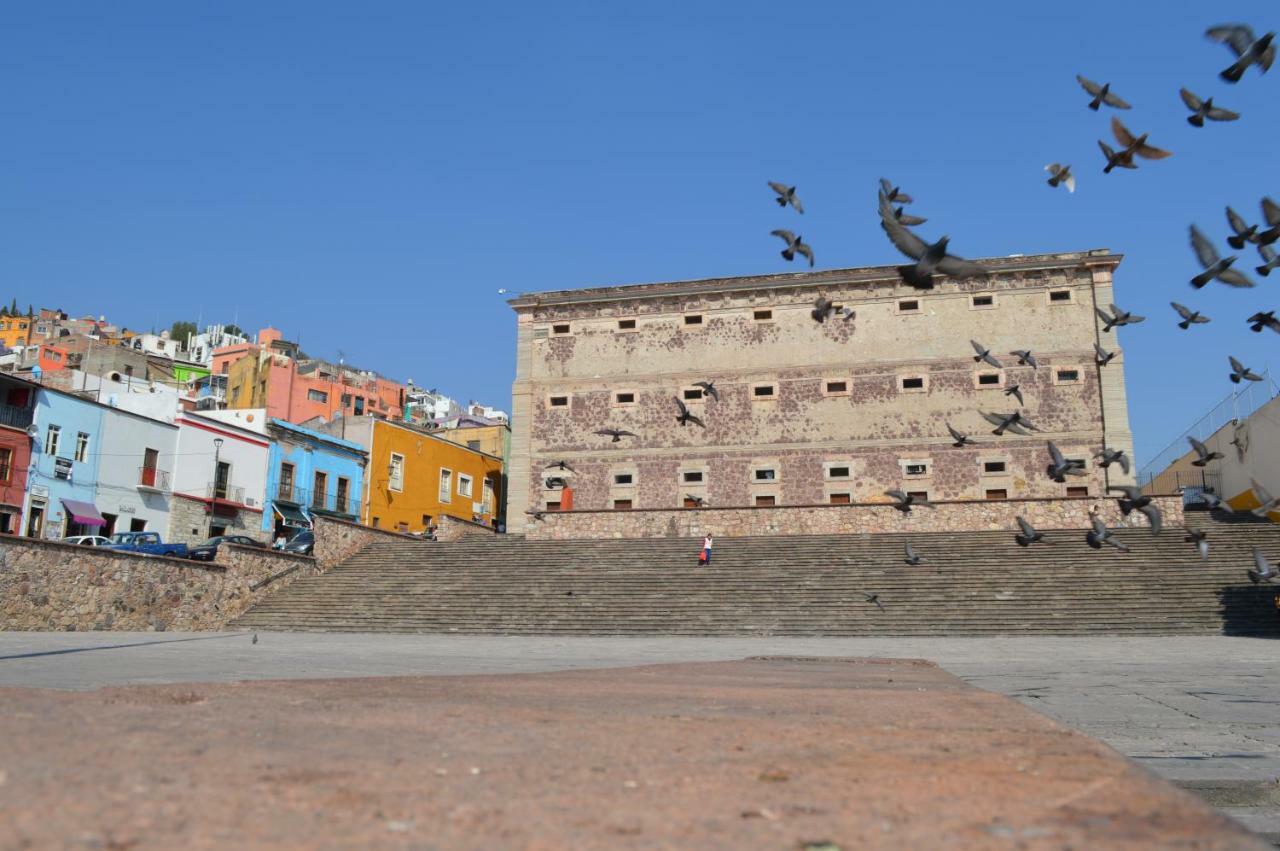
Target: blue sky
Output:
[(366, 176)]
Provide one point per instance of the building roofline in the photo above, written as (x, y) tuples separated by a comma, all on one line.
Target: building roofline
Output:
[(318, 435), (831, 277), (38, 386), (414, 429)]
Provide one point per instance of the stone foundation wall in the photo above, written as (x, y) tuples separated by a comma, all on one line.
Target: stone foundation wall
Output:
[(339, 540), (46, 585), (189, 522), (959, 516), (454, 529)]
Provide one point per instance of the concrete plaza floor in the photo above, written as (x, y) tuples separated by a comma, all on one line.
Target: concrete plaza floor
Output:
[(1200, 710)]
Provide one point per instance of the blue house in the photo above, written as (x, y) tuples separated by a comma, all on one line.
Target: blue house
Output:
[(62, 482), (309, 473)]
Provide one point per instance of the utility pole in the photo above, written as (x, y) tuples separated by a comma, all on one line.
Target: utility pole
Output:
[(213, 487)]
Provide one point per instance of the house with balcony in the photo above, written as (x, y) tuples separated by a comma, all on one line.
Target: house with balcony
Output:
[(134, 484), (310, 473), (219, 479), (17, 413)]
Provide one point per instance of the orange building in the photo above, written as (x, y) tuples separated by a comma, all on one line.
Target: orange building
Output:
[(413, 476)]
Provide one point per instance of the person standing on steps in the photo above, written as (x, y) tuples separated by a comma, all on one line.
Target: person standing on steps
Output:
[(704, 558)]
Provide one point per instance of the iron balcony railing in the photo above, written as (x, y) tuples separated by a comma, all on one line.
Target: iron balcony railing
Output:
[(153, 479), (16, 417), (291, 493), (226, 493)]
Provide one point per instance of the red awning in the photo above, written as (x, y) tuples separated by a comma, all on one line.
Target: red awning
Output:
[(84, 513)]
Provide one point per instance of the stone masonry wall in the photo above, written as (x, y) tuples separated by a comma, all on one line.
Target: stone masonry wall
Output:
[(449, 528), (966, 516), (46, 585), (339, 540)]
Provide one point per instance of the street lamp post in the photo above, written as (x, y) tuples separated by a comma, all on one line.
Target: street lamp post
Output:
[(213, 493)]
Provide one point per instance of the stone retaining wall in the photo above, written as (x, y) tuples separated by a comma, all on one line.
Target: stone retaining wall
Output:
[(956, 516), (46, 585), (339, 540), (450, 528)]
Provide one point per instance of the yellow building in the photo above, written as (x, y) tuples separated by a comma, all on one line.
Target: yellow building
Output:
[(489, 439), (415, 476), (15, 331)]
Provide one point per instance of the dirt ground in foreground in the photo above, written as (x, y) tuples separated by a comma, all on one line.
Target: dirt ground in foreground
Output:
[(785, 753)]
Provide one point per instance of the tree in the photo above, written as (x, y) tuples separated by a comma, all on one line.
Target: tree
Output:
[(13, 308), (234, 330), (180, 330)]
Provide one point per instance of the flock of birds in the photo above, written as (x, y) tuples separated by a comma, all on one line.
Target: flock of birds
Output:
[(930, 259)]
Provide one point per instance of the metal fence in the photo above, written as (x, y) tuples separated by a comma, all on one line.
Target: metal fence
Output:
[(1235, 407)]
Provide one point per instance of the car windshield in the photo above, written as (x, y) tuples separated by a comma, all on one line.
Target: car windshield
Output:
[(123, 537)]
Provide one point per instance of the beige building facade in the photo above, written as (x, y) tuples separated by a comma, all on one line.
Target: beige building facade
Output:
[(815, 413)]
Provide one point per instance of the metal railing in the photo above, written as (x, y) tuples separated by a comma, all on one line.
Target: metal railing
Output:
[(16, 417), (1236, 406), (291, 493), (150, 477), (226, 493)]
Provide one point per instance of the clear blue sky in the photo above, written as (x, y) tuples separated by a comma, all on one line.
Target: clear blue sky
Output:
[(366, 176)]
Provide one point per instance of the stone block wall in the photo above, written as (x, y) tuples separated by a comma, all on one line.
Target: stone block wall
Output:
[(189, 522), (959, 516), (339, 540), (455, 529)]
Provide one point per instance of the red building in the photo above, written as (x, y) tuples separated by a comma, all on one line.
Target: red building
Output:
[(17, 409)]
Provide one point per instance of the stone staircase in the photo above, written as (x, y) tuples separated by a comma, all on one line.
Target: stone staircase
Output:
[(976, 583)]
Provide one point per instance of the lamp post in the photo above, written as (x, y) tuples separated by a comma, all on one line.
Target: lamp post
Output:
[(213, 494)]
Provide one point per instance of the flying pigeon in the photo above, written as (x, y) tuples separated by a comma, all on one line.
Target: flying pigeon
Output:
[(984, 354), (1101, 94), (912, 557), (1100, 534), (1061, 174), (786, 195), (1135, 500), (795, 245), (1271, 213), (1241, 230), (1025, 358), (1113, 456), (1136, 144), (905, 501), (822, 308), (1189, 317), (1059, 467), (1240, 371), (1260, 320), (1240, 439), (1104, 357), (1213, 265), (1014, 391), (1212, 500), (894, 194), (534, 514), (906, 219), (1203, 455), (561, 465), (1013, 422), (616, 434), (1248, 49), (1115, 159), (1029, 535), (1265, 571), (708, 389), (684, 417), (1273, 260), (1124, 317), (930, 258), (960, 439), (874, 598), (1266, 502), (1198, 537), (1203, 109)]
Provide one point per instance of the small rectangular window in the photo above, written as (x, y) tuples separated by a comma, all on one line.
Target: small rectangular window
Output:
[(51, 436), (914, 382), (1059, 296), (763, 391), (395, 472), (834, 387), (839, 499), (989, 379), (446, 485), (623, 479), (693, 319), (622, 505), (690, 502), (626, 398), (317, 396), (1068, 376), (692, 476), (919, 495), (765, 474), (997, 493), (909, 305), (560, 329), (464, 486), (692, 394), (559, 401), (763, 501), (82, 446), (917, 469), (554, 505), (993, 466), (983, 301), (626, 324), (837, 472), (762, 315), (1077, 490)]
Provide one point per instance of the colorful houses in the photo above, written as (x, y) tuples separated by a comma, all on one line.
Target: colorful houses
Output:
[(310, 472)]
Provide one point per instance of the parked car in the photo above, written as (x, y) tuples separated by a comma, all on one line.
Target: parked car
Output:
[(302, 543), (208, 551), (87, 540), (146, 543)]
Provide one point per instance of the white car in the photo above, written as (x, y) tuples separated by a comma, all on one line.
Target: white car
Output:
[(87, 540)]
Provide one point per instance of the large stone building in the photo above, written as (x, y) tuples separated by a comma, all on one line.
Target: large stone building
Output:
[(815, 413)]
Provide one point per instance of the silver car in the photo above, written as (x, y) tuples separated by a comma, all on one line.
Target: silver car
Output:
[(87, 540)]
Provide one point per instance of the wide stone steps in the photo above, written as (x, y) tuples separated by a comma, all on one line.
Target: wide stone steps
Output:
[(978, 583)]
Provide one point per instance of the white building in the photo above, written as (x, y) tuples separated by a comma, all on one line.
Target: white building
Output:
[(157, 344), (220, 480), (498, 415), (429, 404), (136, 460), (200, 346)]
